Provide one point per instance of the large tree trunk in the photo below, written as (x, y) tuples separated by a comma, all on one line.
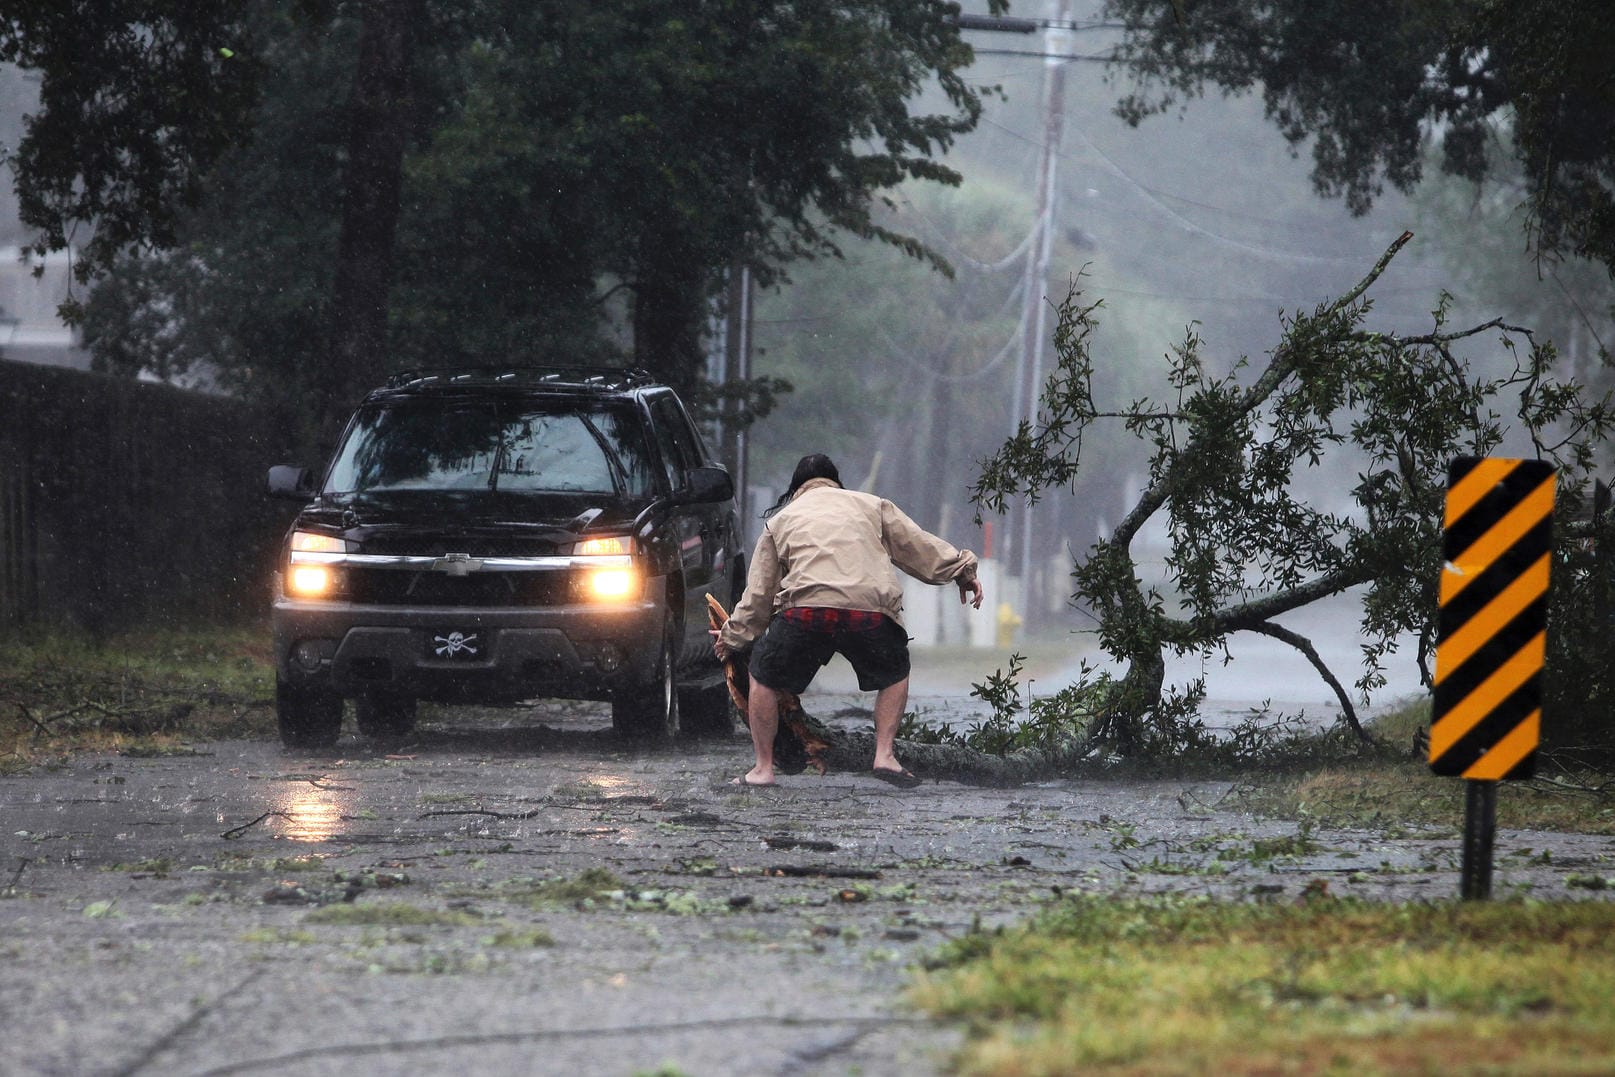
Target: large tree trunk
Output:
[(1140, 694), (671, 309), (855, 752), (380, 108)]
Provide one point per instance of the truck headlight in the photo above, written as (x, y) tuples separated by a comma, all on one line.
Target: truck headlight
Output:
[(315, 542), (315, 570), (309, 581), (611, 584), (610, 579), (613, 545)]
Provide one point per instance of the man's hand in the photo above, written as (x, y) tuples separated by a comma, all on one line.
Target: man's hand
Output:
[(723, 652), (970, 587)]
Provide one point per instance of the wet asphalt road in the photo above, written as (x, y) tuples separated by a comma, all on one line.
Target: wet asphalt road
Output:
[(381, 911)]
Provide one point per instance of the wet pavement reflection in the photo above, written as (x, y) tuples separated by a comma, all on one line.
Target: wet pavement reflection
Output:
[(312, 814)]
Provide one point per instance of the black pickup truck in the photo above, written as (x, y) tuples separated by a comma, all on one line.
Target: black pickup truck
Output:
[(491, 536)]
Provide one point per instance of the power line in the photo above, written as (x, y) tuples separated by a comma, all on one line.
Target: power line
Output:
[(1265, 299), (980, 372), (1089, 58), (977, 264), (1190, 226), (1252, 248), (1012, 25)]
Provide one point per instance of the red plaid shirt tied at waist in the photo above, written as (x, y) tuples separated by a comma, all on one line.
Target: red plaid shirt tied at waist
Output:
[(829, 619)]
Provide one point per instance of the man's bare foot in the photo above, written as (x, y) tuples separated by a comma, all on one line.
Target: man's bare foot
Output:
[(903, 779), (754, 777)]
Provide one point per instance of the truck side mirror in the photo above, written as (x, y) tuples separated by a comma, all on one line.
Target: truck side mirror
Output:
[(291, 482), (708, 484)]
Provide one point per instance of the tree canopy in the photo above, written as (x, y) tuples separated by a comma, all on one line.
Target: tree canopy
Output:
[(138, 99), (1369, 80), (551, 158)]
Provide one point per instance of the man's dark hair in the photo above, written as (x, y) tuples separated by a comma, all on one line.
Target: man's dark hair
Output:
[(814, 465)]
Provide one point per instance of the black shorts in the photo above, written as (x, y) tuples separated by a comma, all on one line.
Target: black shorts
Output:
[(788, 656)]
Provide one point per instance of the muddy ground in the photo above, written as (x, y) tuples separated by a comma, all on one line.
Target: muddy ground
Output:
[(395, 911)]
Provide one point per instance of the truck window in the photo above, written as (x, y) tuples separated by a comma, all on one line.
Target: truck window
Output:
[(680, 449), (442, 445)]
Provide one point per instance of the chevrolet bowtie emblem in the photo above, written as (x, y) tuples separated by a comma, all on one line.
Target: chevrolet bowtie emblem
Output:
[(456, 564)]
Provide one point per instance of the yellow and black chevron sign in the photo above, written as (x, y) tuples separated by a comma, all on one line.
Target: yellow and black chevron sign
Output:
[(1492, 629)]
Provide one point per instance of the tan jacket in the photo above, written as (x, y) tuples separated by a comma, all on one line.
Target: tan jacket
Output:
[(834, 547)]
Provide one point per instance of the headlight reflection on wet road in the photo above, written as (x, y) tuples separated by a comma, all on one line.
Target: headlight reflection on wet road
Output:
[(313, 814)]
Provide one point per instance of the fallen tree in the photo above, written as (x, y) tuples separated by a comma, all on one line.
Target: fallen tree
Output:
[(1246, 545)]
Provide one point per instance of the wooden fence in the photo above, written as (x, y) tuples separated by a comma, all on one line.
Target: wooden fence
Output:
[(125, 502)]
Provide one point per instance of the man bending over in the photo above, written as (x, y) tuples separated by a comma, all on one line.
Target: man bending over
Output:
[(821, 583)]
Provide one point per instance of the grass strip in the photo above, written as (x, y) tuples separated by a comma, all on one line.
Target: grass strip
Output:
[(1192, 986), (1394, 790), (144, 691)]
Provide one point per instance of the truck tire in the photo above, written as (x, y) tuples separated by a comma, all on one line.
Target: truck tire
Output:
[(649, 710), (708, 711)]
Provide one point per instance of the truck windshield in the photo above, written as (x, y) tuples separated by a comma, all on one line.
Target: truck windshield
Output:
[(486, 445)]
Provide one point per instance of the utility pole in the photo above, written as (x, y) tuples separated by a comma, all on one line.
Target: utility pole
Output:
[(736, 366), (735, 360), (1035, 308)]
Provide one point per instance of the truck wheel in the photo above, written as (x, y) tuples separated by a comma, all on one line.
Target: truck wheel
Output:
[(308, 717), (707, 712), (649, 710), (384, 715)]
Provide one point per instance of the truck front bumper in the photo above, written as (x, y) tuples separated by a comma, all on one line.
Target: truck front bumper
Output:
[(460, 654)]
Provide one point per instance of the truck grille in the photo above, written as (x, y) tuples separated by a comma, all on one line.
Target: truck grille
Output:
[(383, 587)]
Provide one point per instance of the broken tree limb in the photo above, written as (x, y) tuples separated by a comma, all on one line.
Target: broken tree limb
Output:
[(1304, 645), (134, 721), (237, 831), (820, 871), (1281, 365), (854, 753), (39, 727), (794, 721), (528, 814)]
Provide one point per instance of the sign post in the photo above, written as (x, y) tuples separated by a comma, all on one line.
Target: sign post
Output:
[(1491, 639), (1480, 827)]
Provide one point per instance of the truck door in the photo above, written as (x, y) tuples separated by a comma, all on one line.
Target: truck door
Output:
[(695, 526)]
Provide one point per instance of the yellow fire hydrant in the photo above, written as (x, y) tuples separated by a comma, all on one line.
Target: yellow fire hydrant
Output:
[(1007, 624)]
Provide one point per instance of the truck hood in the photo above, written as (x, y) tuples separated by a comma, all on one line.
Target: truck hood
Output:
[(478, 523)]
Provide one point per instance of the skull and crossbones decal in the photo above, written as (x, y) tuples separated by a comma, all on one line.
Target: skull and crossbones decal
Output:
[(452, 644)]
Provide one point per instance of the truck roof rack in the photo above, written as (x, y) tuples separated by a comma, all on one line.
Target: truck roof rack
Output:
[(604, 379)]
